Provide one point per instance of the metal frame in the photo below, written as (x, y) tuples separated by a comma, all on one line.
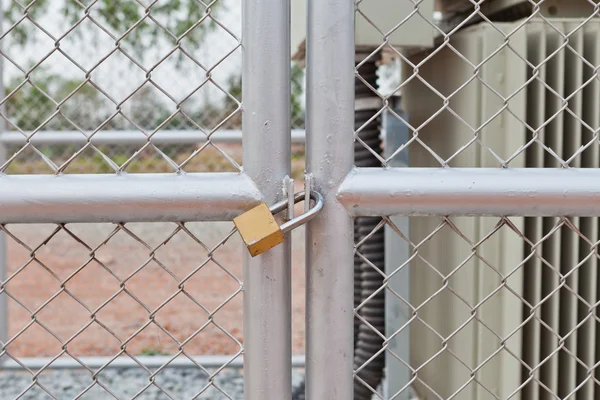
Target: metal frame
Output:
[(197, 197), (125, 198), (397, 251), (347, 192), (352, 192), (329, 237), (525, 192), (3, 249), (3, 255), (267, 161), (38, 363), (11, 138)]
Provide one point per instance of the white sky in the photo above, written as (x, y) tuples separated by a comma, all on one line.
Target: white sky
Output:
[(117, 75)]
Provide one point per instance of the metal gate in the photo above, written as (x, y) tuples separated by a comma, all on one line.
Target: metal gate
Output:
[(502, 194), (121, 198)]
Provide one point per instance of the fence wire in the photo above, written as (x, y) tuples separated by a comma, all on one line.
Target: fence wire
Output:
[(480, 308), (124, 290), (142, 67), (149, 68), (497, 308), (496, 68)]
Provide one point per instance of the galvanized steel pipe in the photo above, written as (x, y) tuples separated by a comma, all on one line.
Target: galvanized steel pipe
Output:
[(527, 192), (125, 198)]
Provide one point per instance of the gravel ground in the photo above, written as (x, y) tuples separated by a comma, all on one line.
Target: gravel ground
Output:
[(176, 383)]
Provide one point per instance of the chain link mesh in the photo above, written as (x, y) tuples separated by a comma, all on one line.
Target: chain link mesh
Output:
[(496, 308), (135, 67), (480, 308), (124, 290), (138, 67)]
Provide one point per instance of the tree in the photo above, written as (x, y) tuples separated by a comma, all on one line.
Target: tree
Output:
[(31, 105), (234, 88), (119, 16), (297, 78), (138, 28)]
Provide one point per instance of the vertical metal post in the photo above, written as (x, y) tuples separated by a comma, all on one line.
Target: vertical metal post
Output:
[(329, 242), (397, 252), (267, 160), (3, 255), (3, 249)]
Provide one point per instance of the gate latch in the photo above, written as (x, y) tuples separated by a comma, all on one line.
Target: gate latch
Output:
[(260, 231)]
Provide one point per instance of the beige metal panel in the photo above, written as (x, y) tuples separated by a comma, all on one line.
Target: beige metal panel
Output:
[(378, 19), (536, 101), (446, 312), (533, 295), (588, 290), (445, 134), (297, 24), (574, 93), (551, 251), (563, 72), (570, 240), (588, 340), (504, 74)]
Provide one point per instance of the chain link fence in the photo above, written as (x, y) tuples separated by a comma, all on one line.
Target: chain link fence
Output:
[(118, 291), (466, 307), (140, 68), (158, 289), (480, 307)]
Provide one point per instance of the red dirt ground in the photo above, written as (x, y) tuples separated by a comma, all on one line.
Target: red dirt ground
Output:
[(140, 307)]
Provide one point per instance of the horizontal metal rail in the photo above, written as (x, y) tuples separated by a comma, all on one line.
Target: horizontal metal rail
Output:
[(150, 362), (471, 191), (128, 137), (125, 198), (365, 192)]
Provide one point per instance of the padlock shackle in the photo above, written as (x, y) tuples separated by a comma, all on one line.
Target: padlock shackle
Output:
[(301, 219)]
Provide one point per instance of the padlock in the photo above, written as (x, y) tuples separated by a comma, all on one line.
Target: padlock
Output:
[(259, 230)]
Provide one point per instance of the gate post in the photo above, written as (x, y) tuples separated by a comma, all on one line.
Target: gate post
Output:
[(266, 125), (3, 249), (3, 256), (329, 241)]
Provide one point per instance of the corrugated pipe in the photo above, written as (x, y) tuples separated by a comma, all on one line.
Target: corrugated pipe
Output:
[(366, 279)]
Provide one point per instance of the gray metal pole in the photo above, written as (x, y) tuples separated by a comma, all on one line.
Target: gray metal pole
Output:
[(527, 192), (3, 249), (329, 242), (3, 258), (397, 252), (267, 152), (206, 196), (123, 137)]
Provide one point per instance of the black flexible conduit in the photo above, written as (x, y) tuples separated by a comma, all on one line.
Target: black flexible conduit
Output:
[(366, 279)]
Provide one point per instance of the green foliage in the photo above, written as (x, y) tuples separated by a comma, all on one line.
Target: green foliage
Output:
[(27, 98), (297, 78), (234, 87), (153, 352), (34, 102), (119, 16)]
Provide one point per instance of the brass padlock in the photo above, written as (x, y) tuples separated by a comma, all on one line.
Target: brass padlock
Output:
[(259, 230)]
